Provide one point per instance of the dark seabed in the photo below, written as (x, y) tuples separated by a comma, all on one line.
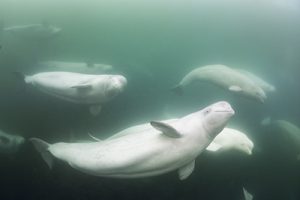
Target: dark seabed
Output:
[(153, 44)]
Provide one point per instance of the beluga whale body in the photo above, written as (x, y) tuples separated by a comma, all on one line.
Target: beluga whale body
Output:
[(34, 31), (224, 77), (92, 90), (228, 139), (163, 148)]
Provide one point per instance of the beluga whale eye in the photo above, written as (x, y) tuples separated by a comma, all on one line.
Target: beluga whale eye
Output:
[(208, 110)]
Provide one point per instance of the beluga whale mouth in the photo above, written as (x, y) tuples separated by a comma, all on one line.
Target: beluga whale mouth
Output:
[(224, 107)]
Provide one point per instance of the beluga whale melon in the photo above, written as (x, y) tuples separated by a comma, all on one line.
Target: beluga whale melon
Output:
[(92, 90), (163, 148), (225, 77)]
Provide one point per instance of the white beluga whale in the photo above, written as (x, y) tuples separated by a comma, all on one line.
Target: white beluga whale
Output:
[(79, 67), (10, 144), (267, 87), (163, 148), (227, 139), (92, 90), (224, 77), (231, 139), (34, 31)]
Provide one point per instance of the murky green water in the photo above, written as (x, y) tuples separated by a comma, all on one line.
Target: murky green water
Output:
[(153, 44)]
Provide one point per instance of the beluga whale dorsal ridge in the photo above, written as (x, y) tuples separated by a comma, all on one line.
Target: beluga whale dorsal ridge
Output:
[(79, 67), (92, 90), (163, 148), (225, 77)]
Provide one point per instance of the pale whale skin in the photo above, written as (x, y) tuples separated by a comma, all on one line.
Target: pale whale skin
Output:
[(225, 77), (79, 88), (161, 149), (231, 139), (228, 139)]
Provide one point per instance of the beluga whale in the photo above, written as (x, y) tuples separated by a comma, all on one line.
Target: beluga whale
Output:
[(163, 148), (224, 77), (34, 31), (231, 139), (92, 90)]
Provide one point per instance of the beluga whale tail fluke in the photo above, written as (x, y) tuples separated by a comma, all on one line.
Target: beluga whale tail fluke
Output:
[(42, 147), (19, 75), (20, 79), (178, 90)]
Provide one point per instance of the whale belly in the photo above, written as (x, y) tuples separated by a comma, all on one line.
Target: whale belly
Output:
[(122, 157)]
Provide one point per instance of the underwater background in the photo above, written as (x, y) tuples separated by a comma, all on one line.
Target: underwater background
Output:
[(153, 44)]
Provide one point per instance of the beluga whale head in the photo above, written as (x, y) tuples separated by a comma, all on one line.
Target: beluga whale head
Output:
[(244, 145), (260, 95), (115, 86), (216, 116), (231, 139)]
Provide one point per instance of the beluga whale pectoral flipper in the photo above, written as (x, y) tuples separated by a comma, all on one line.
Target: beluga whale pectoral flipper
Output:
[(164, 147), (225, 77), (91, 90)]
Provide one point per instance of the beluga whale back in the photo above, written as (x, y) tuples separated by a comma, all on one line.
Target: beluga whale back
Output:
[(224, 77), (34, 31), (93, 90), (79, 67), (163, 148)]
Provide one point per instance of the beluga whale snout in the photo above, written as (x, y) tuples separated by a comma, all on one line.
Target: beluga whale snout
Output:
[(224, 106), (217, 116)]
